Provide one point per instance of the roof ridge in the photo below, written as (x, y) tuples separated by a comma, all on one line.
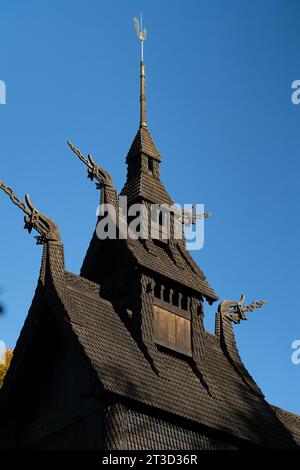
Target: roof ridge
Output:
[(70, 275), (288, 414)]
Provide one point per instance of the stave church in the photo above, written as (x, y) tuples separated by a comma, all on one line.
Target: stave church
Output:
[(133, 367)]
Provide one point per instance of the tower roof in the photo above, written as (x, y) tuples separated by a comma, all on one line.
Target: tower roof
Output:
[(143, 184), (143, 143)]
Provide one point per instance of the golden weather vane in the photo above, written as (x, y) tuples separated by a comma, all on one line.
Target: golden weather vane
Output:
[(141, 33)]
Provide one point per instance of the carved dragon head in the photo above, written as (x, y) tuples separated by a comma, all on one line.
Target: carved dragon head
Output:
[(236, 311), (94, 171), (47, 229)]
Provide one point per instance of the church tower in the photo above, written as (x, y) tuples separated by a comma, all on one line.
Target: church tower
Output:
[(129, 363), (153, 282)]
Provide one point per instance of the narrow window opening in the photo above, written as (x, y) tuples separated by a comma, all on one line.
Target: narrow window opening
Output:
[(150, 165), (184, 303), (166, 295), (157, 291), (160, 219)]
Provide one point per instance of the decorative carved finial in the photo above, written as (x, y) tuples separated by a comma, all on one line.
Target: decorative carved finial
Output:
[(190, 217), (94, 171), (47, 229), (235, 311)]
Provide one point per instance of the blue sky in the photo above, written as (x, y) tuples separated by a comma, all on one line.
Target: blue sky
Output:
[(219, 77)]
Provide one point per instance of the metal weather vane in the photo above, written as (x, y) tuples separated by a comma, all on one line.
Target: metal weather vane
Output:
[(34, 219), (236, 311), (141, 33)]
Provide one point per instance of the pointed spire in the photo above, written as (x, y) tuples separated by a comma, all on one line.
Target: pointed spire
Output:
[(142, 34), (143, 118)]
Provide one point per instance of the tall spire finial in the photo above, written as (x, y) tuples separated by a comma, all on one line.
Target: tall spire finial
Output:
[(142, 35)]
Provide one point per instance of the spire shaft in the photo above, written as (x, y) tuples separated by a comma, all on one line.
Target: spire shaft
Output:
[(143, 118), (142, 34)]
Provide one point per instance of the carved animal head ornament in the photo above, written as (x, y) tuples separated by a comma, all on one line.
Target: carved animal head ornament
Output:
[(236, 311), (94, 171), (34, 219)]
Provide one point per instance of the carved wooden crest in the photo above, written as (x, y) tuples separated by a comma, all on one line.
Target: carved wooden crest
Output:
[(47, 229), (236, 311)]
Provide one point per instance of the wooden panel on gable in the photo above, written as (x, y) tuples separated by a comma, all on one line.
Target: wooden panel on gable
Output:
[(172, 331)]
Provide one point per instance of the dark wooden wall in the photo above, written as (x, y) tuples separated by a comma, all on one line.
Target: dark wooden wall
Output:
[(52, 406)]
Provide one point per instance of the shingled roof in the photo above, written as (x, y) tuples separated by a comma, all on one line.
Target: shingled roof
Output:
[(171, 260), (210, 387), (123, 370), (143, 143), (291, 421), (144, 186), (164, 261)]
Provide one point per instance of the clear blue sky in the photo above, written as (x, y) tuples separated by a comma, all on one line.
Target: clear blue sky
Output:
[(218, 84)]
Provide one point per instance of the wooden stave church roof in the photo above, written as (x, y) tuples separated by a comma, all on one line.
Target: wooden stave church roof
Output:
[(175, 263), (239, 409), (123, 370)]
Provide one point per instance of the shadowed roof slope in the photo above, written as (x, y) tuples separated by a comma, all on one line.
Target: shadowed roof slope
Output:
[(123, 370)]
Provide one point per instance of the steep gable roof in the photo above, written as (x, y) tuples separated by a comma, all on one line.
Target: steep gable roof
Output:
[(123, 370)]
